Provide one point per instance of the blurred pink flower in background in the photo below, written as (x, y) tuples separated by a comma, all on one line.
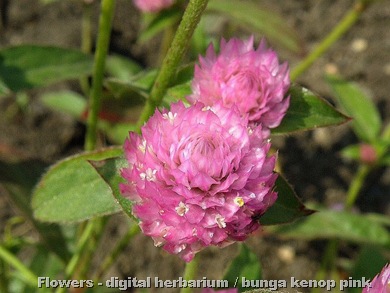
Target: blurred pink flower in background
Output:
[(230, 290), (251, 79), (153, 5), (381, 282), (198, 176)]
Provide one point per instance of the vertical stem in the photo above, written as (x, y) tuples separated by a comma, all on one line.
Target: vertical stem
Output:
[(356, 185), (30, 278), (93, 227), (341, 28), (190, 273), (110, 259), (103, 41), (86, 40), (175, 53)]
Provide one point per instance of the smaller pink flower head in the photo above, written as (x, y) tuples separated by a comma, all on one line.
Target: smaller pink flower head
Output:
[(381, 282), (152, 5), (251, 79), (198, 176)]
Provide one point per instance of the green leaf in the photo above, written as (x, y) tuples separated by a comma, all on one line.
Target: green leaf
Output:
[(66, 102), (117, 132), (287, 207), (28, 66), (351, 152), (385, 161), (4, 90), (109, 170), (328, 224), (121, 67), (185, 74), (177, 93), (257, 18), (308, 111), (126, 90), (18, 179), (72, 191), (158, 22), (366, 119), (246, 264)]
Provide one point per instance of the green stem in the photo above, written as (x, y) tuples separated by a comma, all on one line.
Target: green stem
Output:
[(103, 41), (356, 185), (30, 278), (190, 273), (86, 40), (327, 263), (81, 245), (110, 259), (172, 60), (88, 252), (4, 272), (341, 28)]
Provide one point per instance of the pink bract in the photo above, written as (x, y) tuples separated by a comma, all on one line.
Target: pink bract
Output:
[(198, 176), (152, 5), (252, 79), (381, 282)]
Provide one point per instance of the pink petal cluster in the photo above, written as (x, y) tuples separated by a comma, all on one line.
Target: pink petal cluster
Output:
[(381, 282), (198, 176), (251, 79), (153, 5)]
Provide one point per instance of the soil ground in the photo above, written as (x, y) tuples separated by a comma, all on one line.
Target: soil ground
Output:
[(310, 160)]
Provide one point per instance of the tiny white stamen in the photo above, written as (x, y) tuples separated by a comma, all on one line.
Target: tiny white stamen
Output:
[(158, 243), (180, 248), (142, 146), (206, 108), (250, 131), (220, 221), (239, 201), (182, 209), (149, 175), (170, 116), (252, 195)]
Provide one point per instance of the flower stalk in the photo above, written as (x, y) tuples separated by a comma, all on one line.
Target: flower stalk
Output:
[(103, 41), (86, 40), (172, 60), (341, 28), (190, 273)]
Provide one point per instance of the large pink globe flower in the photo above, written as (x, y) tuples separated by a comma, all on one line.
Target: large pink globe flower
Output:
[(197, 178), (251, 79), (152, 5), (381, 282)]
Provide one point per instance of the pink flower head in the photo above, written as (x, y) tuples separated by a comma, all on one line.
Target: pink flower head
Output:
[(381, 282), (251, 79), (152, 5), (197, 178)]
